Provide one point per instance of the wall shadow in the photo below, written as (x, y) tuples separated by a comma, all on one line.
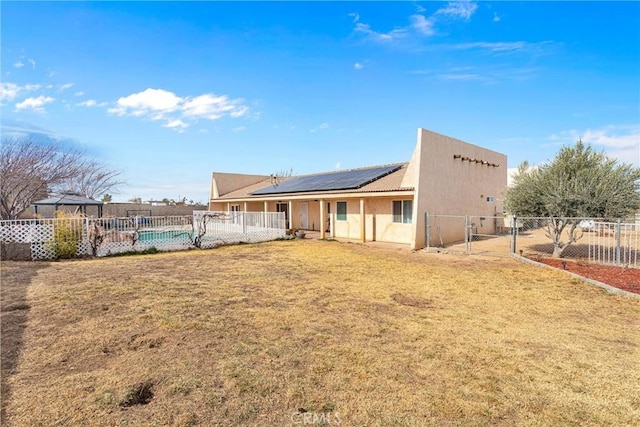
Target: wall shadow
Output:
[(15, 279)]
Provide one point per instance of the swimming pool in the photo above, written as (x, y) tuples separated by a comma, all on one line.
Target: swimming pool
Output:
[(151, 236)]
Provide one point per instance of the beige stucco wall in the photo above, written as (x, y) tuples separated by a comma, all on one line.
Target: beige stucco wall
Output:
[(379, 225), (452, 186), (223, 183), (350, 228)]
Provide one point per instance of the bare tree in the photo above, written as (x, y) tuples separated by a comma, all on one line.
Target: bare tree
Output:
[(93, 180), (29, 169)]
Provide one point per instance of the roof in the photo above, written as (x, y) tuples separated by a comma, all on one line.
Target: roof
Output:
[(67, 199), (385, 178), (340, 180)]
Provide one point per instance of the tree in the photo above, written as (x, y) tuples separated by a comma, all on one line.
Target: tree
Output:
[(577, 183), (29, 169), (106, 198), (92, 180), (32, 168)]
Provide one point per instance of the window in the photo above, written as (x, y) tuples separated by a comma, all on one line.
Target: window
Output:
[(341, 211), (235, 208), (403, 211)]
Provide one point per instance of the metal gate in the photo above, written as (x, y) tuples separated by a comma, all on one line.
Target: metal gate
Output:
[(470, 234)]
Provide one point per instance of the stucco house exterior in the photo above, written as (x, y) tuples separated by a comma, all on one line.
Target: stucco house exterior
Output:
[(385, 203)]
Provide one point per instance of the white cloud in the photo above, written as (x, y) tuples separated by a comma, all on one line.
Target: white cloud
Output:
[(66, 86), (620, 142), (88, 103), (358, 66), (145, 102), (79, 93), (459, 9), (91, 103), (176, 124), (461, 77), (159, 104), (496, 18), (355, 17), (365, 29), (422, 25), (19, 64), (239, 128), (484, 74), (241, 111), (8, 91), (32, 62), (419, 24), (322, 126), (35, 104), (337, 166), (495, 46)]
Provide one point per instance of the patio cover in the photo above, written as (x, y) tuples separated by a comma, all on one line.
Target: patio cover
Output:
[(69, 200)]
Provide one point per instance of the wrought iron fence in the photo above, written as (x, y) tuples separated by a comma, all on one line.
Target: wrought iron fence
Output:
[(105, 236), (593, 240)]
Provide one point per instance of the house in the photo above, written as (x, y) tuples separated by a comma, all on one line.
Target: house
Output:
[(384, 203)]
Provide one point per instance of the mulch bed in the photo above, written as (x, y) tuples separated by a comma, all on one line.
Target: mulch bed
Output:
[(627, 279)]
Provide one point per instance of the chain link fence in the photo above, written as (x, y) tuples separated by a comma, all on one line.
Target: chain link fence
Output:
[(592, 240)]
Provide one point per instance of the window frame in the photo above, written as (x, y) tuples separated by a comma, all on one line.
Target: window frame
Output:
[(402, 211), (341, 216)]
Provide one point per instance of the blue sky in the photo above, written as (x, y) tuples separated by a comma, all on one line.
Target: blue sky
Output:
[(170, 92)]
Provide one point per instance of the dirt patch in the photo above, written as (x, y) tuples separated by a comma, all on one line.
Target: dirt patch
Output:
[(412, 301), (16, 306), (139, 394), (627, 279)]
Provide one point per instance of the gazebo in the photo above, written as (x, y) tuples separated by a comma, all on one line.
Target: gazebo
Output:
[(69, 200)]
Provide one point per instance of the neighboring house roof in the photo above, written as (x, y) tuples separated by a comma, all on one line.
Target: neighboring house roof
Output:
[(67, 199), (371, 179)]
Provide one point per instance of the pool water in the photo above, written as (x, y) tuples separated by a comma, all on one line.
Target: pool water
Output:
[(150, 236)]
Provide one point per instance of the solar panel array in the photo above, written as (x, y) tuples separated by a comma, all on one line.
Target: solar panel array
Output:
[(343, 180)]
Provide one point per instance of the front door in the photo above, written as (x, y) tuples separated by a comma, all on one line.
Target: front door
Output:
[(304, 215)]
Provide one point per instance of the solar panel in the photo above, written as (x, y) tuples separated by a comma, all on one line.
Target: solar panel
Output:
[(343, 180)]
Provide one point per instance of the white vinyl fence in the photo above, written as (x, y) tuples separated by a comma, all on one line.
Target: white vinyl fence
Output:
[(106, 236)]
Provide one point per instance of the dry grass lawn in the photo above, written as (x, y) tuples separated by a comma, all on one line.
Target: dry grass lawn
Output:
[(264, 334)]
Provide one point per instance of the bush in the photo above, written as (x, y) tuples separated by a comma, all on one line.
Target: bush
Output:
[(67, 235)]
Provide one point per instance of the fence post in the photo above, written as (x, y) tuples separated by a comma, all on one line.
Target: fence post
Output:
[(514, 233), (244, 223), (427, 230), (618, 229), (466, 235)]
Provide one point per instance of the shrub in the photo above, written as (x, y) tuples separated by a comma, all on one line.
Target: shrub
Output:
[(67, 235)]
